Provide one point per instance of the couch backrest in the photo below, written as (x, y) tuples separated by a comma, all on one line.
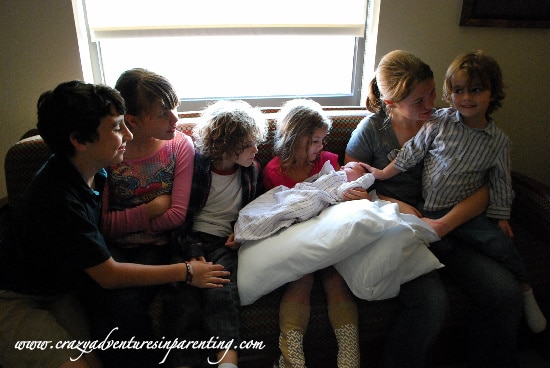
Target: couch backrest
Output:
[(344, 121), (23, 160), (25, 157)]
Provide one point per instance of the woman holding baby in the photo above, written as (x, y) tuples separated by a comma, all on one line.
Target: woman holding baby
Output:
[(401, 97)]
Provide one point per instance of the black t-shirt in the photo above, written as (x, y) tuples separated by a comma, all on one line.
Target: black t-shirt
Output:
[(54, 232)]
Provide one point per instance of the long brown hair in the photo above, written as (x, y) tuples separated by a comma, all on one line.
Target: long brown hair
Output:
[(398, 72), (297, 119)]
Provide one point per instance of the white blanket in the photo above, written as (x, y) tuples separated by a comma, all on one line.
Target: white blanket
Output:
[(282, 206), (372, 245)]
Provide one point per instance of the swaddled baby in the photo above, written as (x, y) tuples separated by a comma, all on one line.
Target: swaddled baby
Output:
[(282, 206)]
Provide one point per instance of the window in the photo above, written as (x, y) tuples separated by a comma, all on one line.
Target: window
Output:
[(262, 51)]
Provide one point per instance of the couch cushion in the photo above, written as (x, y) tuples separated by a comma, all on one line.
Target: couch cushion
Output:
[(23, 160)]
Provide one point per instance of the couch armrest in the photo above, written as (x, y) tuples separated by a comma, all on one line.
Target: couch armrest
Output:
[(4, 217), (531, 207)]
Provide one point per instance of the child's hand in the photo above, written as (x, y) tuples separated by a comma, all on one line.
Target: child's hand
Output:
[(505, 227), (356, 193), (208, 275), (231, 243), (158, 206), (377, 173)]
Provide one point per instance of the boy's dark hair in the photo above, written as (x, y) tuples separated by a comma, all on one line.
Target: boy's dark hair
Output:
[(480, 67), (141, 87), (75, 109)]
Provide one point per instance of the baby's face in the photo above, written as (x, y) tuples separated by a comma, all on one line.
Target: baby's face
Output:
[(353, 170)]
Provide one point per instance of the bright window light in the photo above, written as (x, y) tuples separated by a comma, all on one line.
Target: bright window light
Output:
[(238, 66)]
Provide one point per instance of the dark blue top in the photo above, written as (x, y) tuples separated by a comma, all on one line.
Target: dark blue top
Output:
[(54, 232)]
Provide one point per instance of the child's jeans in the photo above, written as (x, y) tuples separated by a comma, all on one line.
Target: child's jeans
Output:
[(484, 234), (205, 314), (221, 305)]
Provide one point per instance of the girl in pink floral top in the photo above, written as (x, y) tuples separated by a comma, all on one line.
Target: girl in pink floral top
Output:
[(136, 182), (146, 197)]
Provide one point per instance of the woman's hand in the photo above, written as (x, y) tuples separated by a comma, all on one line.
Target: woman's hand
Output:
[(356, 193), (403, 207), (207, 275)]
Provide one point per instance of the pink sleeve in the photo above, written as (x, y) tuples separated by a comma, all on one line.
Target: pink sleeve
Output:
[(118, 223), (332, 157), (181, 188), (267, 176), (273, 176)]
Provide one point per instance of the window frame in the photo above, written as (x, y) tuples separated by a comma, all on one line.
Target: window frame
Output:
[(92, 69)]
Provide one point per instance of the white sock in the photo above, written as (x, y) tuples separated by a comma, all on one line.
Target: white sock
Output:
[(227, 365), (533, 315)]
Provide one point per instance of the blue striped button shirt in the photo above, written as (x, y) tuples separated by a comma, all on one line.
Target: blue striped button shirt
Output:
[(458, 160)]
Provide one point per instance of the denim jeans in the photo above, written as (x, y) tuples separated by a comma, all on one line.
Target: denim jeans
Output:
[(127, 309), (485, 235), (496, 300), (205, 313), (424, 307)]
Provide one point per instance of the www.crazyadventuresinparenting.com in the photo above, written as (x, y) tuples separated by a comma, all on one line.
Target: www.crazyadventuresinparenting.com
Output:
[(85, 347)]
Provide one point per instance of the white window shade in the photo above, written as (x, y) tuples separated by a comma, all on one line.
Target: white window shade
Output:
[(161, 18)]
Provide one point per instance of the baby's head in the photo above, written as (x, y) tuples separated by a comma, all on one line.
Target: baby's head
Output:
[(354, 170)]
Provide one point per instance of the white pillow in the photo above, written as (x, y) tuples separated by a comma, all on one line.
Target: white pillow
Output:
[(338, 232), (378, 270)]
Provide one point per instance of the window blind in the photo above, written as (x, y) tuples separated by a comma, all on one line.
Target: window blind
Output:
[(146, 18)]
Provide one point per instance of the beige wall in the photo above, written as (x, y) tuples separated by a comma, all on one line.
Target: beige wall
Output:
[(39, 49)]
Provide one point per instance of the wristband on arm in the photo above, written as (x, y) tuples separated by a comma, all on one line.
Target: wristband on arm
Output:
[(189, 276)]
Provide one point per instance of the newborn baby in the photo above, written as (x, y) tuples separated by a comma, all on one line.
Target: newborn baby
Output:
[(351, 175), (357, 177)]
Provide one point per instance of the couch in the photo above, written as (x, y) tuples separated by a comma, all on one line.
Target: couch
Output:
[(530, 221)]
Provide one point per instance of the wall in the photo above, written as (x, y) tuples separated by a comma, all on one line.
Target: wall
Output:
[(39, 49)]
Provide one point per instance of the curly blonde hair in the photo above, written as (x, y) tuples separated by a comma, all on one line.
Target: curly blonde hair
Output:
[(227, 126)]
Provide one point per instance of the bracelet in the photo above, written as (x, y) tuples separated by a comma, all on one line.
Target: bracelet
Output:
[(189, 277)]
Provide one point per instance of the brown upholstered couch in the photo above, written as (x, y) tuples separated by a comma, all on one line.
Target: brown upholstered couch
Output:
[(530, 220)]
